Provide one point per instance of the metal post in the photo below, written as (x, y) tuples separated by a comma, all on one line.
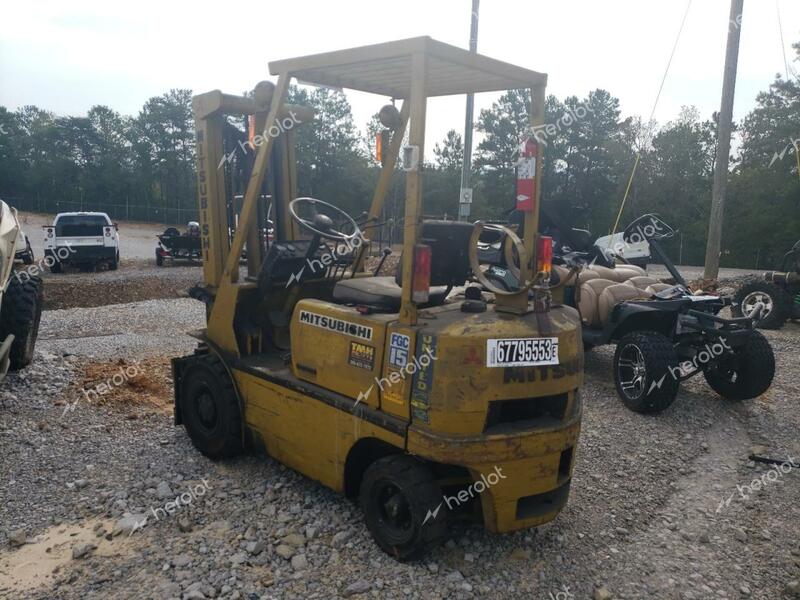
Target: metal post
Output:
[(465, 197), (723, 142)]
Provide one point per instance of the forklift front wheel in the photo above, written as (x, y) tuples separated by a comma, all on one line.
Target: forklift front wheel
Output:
[(209, 408), (645, 365), (403, 506)]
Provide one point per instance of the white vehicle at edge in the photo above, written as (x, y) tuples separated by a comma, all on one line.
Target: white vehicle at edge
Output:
[(83, 239), (20, 297), (637, 253)]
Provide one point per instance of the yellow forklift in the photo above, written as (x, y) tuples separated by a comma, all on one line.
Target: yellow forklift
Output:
[(421, 394)]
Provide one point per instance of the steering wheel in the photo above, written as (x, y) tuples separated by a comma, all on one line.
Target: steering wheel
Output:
[(322, 224), (512, 243)]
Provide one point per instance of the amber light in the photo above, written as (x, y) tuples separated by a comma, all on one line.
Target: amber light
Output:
[(421, 282), (544, 254)]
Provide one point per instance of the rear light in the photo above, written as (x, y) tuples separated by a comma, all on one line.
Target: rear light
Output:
[(108, 231), (544, 254), (50, 232), (421, 281)]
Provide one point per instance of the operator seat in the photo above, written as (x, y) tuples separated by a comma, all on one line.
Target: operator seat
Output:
[(449, 242)]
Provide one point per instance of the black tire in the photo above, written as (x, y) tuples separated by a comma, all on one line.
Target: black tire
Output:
[(20, 315), (114, 264), (210, 409), (27, 256), (397, 494), (780, 303), (748, 375), (159, 260), (644, 363), (56, 266)]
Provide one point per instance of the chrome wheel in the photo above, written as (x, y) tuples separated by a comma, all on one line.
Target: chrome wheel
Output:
[(753, 299), (631, 371)]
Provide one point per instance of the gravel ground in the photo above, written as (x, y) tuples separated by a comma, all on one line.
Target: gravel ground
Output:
[(654, 510)]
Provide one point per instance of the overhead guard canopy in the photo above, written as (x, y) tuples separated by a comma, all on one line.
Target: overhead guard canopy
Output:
[(386, 69)]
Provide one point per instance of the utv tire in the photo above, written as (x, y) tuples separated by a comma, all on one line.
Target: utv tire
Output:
[(777, 301), (159, 260), (644, 363), (397, 495), (210, 409), (20, 315), (752, 374)]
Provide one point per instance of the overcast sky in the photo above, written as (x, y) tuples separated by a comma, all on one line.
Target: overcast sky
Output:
[(67, 56)]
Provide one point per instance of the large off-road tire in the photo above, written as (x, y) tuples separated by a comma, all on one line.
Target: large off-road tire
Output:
[(398, 493), (645, 365), (20, 315), (778, 303), (209, 408), (749, 376)]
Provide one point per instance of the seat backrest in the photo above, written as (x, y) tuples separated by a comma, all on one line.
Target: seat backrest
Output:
[(641, 281), (613, 295), (449, 242), (588, 304)]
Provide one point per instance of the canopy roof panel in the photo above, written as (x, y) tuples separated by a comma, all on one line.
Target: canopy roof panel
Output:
[(386, 69)]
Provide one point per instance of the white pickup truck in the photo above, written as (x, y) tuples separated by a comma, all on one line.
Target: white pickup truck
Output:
[(83, 239)]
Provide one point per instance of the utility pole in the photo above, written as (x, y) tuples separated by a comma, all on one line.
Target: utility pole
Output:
[(724, 127), (465, 197)]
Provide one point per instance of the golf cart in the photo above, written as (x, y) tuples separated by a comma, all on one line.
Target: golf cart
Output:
[(664, 332), (776, 296), (174, 245)]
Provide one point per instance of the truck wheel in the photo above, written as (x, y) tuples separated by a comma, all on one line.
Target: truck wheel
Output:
[(114, 264), (210, 409), (644, 363), (56, 266), (745, 375), (777, 303), (20, 315), (402, 505), (159, 260)]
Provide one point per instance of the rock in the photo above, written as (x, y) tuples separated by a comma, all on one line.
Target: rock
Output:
[(194, 595), (163, 490), (294, 539), (299, 562), (521, 554), (238, 558), (361, 586), (182, 560), (129, 524), (792, 589), (602, 593), (740, 535), (184, 524), (284, 551), (82, 550), (454, 577), (80, 484), (18, 537), (340, 538), (255, 548)]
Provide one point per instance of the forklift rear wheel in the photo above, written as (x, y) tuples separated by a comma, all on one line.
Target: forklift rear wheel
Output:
[(747, 373), (399, 497), (209, 408), (644, 363), (777, 303)]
